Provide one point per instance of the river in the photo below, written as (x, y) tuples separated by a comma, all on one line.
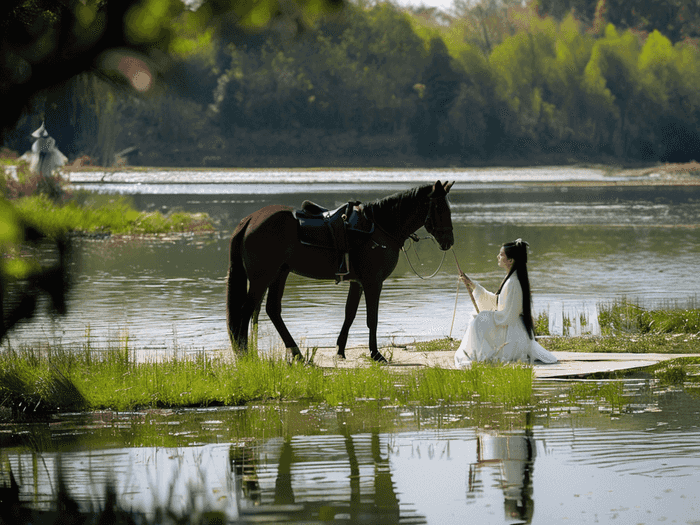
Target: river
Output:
[(593, 239), (574, 457)]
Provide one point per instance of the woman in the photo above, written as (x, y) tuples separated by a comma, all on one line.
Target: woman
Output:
[(503, 330)]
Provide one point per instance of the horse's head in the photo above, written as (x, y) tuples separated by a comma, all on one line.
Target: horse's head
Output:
[(439, 220)]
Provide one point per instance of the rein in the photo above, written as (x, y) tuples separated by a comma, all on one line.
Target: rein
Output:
[(399, 243), (416, 239)]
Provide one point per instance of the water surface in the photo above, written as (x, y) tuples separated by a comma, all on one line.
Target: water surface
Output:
[(590, 243), (571, 457)]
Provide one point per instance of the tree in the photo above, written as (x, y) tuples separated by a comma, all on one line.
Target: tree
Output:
[(46, 43)]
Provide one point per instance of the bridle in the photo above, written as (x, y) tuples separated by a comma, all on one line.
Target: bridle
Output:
[(432, 229), (430, 220)]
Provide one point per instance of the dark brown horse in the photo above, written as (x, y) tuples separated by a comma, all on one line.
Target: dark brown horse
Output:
[(265, 247)]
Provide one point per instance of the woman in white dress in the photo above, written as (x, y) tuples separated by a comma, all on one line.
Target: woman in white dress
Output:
[(503, 330)]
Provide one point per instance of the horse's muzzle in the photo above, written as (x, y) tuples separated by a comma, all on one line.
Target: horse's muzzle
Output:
[(445, 239)]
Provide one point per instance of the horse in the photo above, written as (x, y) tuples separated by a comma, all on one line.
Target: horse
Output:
[(265, 247)]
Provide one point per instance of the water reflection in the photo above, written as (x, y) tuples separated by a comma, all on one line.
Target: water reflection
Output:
[(509, 461), (343, 477), (573, 456)]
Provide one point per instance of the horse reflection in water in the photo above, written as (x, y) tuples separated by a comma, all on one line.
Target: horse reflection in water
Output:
[(266, 247), (364, 502), (513, 459)]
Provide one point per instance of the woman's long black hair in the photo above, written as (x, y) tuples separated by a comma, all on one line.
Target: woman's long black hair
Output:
[(517, 250)]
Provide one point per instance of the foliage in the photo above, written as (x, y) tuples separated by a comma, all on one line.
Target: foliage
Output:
[(377, 85), (51, 378), (624, 316), (677, 19), (116, 216), (422, 87), (622, 343)]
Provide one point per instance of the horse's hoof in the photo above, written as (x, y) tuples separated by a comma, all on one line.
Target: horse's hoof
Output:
[(379, 358), (294, 355)]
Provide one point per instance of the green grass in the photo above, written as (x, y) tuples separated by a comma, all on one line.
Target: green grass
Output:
[(628, 327), (68, 210), (630, 343), (627, 317), (53, 379), (101, 215), (436, 345)]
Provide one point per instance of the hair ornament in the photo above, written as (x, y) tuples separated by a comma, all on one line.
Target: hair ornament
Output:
[(519, 242)]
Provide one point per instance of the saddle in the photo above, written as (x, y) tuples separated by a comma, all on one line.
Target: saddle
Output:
[(340, 230)]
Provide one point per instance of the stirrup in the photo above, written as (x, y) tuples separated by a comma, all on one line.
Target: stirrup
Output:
[(344, 268)]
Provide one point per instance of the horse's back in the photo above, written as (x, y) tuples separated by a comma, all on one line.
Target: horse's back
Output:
[(267, 231), (272, 218)]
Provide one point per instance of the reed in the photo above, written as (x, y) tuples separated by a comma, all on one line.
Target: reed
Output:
[(624, 316), (55, 378)]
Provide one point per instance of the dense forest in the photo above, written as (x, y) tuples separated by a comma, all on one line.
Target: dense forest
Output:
[(373, 84)]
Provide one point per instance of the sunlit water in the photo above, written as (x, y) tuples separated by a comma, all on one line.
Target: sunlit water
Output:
[(589, 245), (568, 459)]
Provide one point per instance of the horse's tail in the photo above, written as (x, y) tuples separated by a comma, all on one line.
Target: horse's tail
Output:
[(236, 282)]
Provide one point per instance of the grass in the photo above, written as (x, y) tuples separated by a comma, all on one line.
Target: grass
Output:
[(626, 317), (56, 379), (628, 327), (105, 215), (434, 345), (53, 206)]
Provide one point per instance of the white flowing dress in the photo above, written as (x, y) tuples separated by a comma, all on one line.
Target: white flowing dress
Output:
[(498, 333)]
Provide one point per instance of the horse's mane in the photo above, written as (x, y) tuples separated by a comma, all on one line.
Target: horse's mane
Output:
[(389, 211), (393, 202)]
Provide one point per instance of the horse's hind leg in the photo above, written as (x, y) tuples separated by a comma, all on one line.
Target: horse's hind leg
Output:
[(253, 300), (274, 312), (351, 305)]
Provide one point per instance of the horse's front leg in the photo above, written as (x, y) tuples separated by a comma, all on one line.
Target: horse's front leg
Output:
[(351, 306), (372, 294), (273, 308)]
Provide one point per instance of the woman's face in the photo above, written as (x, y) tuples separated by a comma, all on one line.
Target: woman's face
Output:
[(503, 260)]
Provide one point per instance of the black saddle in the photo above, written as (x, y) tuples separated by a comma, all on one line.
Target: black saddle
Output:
[(319, 226)]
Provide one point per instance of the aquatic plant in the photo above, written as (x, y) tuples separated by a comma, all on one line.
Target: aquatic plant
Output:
[(115, 216), (541, 323), (66, 509), (54, 378), (626, 316), (633, 343)]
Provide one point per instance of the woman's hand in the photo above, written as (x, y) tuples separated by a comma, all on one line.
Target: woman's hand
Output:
[(467, 281)]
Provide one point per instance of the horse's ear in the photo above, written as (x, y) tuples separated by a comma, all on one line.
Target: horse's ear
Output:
[(437, 189), (448, 186)]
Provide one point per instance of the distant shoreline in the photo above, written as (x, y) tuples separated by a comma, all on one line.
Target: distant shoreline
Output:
[(674, 174)]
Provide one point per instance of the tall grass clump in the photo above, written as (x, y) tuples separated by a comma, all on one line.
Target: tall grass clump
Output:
[(627, 317), (541, 324), (504, 383), (57, 379), (115, 216)]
